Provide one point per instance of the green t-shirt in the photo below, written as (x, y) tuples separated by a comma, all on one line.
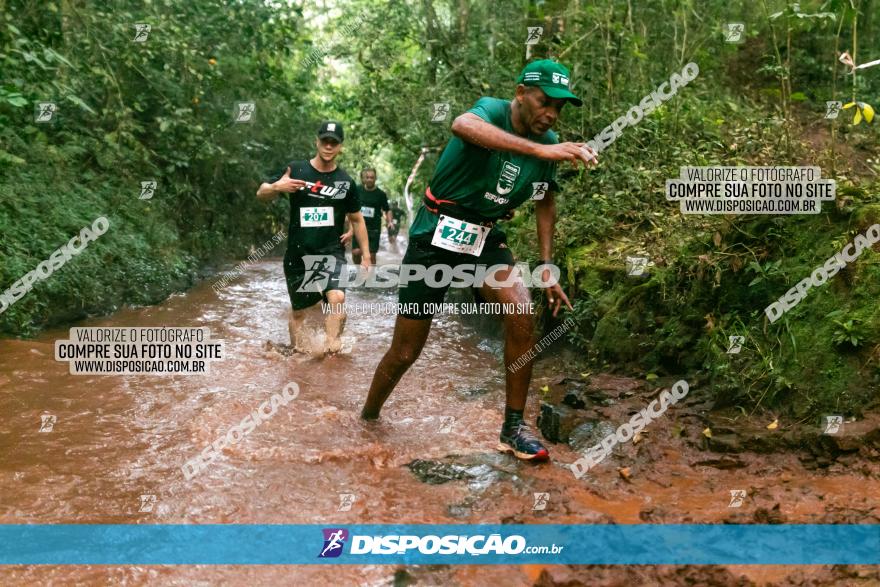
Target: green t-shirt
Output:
[(487, 184)]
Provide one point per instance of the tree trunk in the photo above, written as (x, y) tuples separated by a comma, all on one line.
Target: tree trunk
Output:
[(431, 31), (463, 14)]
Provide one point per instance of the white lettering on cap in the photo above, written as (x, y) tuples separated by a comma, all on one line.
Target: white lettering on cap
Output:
[(558, 78), (331, 126)]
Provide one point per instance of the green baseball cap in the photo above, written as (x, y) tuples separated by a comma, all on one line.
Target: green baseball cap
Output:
[(551, 77)]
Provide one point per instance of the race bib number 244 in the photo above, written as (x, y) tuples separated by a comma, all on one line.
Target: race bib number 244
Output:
[(459, 236)]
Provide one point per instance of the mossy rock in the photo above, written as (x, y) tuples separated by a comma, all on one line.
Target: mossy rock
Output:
[(588, 269), (866, 216), (591, 281), (615, 339)]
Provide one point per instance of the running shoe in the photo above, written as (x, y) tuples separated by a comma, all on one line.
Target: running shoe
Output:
[(523, 443)]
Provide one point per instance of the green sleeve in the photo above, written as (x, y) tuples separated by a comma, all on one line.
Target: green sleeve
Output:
[(492, 110)]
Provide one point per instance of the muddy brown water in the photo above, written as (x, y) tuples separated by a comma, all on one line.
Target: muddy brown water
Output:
[(116, 438)]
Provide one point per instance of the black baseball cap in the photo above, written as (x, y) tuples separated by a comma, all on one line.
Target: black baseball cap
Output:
[(331, 129)]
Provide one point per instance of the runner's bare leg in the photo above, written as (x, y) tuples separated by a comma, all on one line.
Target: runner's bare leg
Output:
[(294, 327), (518, 335), (335, 321), (406, 346)]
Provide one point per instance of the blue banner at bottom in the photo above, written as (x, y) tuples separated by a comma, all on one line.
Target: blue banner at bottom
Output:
[(265, 544)]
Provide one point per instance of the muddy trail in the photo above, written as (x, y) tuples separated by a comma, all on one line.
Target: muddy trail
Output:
[(429, 459)]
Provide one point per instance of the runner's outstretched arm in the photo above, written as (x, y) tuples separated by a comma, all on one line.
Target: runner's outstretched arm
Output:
[(270, 191), (545, 212), (360, 232), (473, 129)]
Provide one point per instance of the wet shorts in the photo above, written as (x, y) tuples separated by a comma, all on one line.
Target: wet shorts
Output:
[(373, 237), (419, 296), (321, 276)]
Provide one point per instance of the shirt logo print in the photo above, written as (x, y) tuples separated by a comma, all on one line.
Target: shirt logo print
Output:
[(509, 173)]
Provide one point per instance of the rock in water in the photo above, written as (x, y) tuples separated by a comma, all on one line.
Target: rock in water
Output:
[(557, 421), (589, 434), (435, 472)]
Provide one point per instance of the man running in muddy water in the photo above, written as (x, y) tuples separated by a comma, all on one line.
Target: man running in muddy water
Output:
[(374, 205), (321, 196), (502, 155), (397, 216)]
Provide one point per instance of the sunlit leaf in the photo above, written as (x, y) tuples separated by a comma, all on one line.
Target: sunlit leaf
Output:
[(78, 101), (10, 158), (16, 100)]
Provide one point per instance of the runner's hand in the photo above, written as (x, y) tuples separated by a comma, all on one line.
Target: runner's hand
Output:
[(574, 152), (366, 261), (288, 184), (346, 237), (555, 297)]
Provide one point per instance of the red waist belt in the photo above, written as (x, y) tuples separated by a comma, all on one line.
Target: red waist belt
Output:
[(450, 208)]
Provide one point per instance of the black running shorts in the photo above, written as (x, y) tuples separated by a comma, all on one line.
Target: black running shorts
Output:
[(417, 295), (321, 274)]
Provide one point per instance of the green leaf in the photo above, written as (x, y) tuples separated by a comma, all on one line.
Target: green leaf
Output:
[(78, 101), (52, 55), (10, 158), (16, 99)]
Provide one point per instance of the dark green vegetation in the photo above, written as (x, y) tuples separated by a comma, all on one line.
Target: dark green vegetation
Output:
[(162, 110), (130, 111)]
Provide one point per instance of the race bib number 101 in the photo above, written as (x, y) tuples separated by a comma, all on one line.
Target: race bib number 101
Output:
[(459, 236), (316, 216)]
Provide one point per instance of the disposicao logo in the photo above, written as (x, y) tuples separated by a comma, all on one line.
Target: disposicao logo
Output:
[(432, 544), (334, 541)]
